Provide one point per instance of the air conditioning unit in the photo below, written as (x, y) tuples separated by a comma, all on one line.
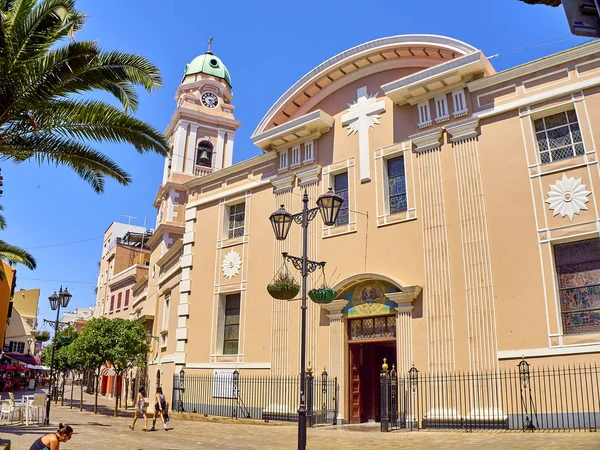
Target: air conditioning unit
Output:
[(583, 17)]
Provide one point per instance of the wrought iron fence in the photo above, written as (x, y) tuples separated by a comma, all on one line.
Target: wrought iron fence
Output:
[(524, 398), (231, 394)]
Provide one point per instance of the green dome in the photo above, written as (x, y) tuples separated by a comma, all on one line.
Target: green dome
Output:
[(210, 65)]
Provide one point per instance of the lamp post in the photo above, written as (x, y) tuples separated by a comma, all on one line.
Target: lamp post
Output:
[(56, 301), (328, 205)]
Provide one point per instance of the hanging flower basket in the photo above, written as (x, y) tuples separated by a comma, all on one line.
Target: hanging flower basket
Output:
[(323, 295), (283, 287), (43, 336)]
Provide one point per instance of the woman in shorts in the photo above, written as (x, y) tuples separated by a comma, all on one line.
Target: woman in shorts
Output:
[(140, 408)]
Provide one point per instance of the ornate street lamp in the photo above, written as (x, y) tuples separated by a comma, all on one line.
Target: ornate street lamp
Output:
[(281, 220), (56, 301)]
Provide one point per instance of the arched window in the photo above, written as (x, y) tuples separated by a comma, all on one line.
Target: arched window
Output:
[(204, 154)]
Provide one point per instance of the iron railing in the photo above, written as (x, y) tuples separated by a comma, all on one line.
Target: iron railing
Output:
[(524, 398), (276, 398)]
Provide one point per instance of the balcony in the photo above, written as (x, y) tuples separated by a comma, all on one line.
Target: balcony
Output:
[(201, 171)]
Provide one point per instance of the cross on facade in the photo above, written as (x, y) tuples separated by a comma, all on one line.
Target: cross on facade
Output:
[(362, 115)]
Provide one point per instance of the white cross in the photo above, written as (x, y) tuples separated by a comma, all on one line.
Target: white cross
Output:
[(362, 115)]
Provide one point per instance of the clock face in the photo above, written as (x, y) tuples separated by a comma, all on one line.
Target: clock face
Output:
[(210, 100)]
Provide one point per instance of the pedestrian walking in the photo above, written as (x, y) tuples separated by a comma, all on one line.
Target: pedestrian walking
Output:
[(160, 407), (140, 408), (52, 441)]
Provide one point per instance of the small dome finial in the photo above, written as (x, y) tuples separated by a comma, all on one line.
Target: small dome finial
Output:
[(209, 49)]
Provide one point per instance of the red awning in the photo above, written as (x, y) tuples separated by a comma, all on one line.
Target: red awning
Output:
[(27, 359)]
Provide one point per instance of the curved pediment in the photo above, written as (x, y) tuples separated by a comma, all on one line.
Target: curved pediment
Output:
[(403, 51)]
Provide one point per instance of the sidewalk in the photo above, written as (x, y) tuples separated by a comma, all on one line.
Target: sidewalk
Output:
[(103, 431)]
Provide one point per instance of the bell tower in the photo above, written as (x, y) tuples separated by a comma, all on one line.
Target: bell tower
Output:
[(202, 129), (201, 133)]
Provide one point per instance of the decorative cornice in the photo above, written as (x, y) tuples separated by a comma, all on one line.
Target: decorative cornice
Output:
[(284, 183), (201, 117), (173, 251), (427, 141), (405, 299), (232, 170), (308, 126), (334, 309), (164, 189), (308, 176), (463, 130), (535, 66), (162, 229)]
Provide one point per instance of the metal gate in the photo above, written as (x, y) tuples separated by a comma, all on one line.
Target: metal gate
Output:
[(392, 399)]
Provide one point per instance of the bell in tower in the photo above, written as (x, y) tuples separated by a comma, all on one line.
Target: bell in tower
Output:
[(204, 154)]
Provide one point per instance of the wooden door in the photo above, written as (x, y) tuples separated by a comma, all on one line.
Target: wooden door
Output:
[(354, 384)]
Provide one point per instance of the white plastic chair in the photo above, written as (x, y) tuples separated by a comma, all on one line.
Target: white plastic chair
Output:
[(38, 404), (8, 411)]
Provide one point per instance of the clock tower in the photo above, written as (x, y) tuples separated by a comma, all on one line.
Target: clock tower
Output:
[(201, 134)]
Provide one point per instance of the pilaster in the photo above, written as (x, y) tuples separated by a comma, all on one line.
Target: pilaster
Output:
[(337, 348), (404, 345)]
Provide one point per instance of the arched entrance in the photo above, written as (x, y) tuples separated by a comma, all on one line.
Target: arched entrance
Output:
[(370, 331)]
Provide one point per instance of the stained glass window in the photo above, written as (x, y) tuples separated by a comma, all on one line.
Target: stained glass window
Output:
[(340, 182), (373, 328), (231, 327), (578, 270), (396, 184), (558, 136), (237, 215)]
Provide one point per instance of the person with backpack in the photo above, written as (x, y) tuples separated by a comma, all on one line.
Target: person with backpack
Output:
[(159, 407), (140, 408)]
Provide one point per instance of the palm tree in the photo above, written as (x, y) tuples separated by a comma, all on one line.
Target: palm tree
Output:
[(44, 73), (15, 255)]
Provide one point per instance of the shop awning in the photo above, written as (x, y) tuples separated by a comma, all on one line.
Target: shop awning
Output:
[(26, 359)]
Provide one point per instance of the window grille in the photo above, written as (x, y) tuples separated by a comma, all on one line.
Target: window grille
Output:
[(558, 137), (396, 185), (424, 114), (283, 160), (295, 155), (340, 183), (308, 151), (231, 327), (236, 220), (441, 109), (460, 103)]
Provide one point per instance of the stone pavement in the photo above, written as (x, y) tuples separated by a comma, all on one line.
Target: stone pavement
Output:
[(102, 431)]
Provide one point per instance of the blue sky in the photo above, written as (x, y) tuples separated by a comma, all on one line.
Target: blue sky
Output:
[(267, 46)]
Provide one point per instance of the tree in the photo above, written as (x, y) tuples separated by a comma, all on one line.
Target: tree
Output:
[(92, 346), (15, 255), (63, 362), (129, 349), (43, 74)]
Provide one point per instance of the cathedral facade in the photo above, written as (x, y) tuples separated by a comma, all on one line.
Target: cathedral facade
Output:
[(468, 236)]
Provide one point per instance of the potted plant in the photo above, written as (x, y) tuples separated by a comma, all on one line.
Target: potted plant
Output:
[(323, 294), (43, 336), (283, 286)]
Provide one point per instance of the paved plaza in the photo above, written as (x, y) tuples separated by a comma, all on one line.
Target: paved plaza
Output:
[(102, 431)]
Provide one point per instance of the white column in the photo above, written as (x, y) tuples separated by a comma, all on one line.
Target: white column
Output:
[(337, 349), (229, 149), (220, 149), (166, 171), (179, 147), (190, 154)]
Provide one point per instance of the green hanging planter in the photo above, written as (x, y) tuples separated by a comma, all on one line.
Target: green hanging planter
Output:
[(44, 336), (282, 291), (322, 296)]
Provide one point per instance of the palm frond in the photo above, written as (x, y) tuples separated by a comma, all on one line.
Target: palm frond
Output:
[(91, 165), (15, 255)]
